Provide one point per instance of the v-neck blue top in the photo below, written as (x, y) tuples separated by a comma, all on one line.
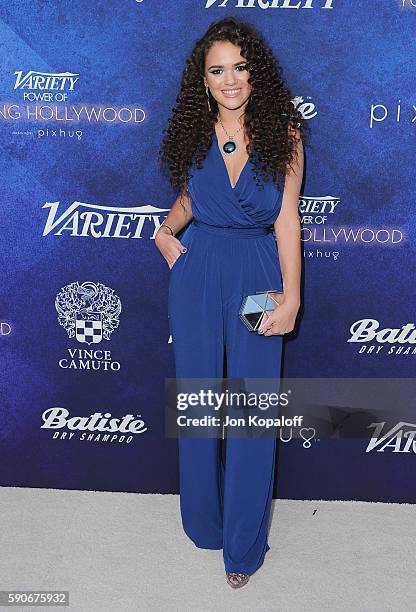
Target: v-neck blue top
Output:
[(215, 202)]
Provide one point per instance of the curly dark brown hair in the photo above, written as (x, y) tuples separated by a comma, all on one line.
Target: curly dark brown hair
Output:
[(268, 113)]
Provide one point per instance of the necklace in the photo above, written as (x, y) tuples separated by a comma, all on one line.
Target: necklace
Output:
[(230, 146)]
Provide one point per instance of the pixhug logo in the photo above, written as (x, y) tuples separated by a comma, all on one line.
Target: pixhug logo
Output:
[(391, 114)]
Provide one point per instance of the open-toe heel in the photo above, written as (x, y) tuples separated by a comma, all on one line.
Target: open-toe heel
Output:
[(235, 580)]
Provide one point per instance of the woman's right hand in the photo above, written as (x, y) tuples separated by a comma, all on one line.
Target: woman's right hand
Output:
[(170, 247)]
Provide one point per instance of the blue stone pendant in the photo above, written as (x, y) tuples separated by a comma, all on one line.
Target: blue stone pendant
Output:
[(229, 147)]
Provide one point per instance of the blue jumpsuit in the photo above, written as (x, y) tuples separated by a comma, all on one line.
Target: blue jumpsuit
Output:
[(231, 252)]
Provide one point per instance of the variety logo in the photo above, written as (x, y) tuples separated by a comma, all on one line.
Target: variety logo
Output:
[(81, 219), (317, 220), (317, 210), (41, 81), (374, 340), (400, 438), (46, 96), (273, 4), (97, 427), (89, 313), (408, 4)]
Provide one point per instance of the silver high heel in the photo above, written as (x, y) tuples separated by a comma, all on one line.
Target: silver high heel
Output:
[(235, 580)]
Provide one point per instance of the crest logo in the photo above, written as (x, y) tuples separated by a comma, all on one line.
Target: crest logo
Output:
[(89, 330), (89, 312)]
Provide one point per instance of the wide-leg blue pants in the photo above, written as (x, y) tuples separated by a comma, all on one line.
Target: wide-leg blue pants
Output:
[(224, 504)]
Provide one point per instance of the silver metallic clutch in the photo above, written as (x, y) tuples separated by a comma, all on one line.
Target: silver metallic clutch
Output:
[(255, 307)]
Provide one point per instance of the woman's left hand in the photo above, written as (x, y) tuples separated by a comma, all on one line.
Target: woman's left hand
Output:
[(281, 320)]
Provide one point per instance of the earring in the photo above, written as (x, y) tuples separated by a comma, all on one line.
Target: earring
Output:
[(206, 91)]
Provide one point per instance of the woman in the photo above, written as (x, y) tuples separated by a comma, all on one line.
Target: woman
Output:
[(234, 114)]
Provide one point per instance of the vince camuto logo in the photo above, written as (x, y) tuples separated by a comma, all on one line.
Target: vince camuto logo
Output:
[(89, 312)]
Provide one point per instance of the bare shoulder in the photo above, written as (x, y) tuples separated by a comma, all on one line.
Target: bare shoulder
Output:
[(289, 212)]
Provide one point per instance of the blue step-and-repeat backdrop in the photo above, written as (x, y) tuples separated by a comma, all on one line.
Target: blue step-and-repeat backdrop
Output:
[(86, 90)]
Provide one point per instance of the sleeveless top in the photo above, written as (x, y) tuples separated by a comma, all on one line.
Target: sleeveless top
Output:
[(215, 202)]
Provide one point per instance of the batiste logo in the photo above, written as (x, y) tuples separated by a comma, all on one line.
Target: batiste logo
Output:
[(368, 333), (97, 427)]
